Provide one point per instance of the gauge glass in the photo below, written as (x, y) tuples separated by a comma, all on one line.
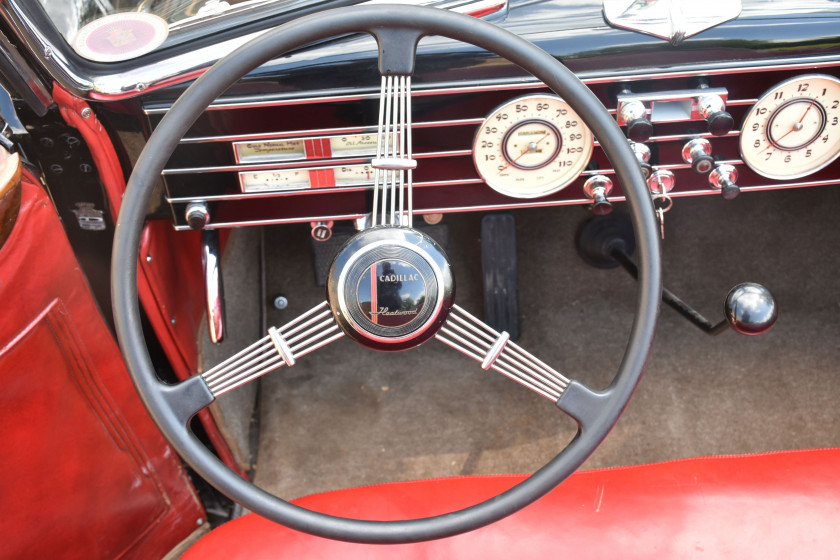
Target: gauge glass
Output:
[(346, 175), (531, 146), (268, 151), (274, 180), (793, 129), (353, 144)]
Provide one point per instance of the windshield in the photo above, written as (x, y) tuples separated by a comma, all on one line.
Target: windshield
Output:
[(115, 30), (112, 30), (70, 16)]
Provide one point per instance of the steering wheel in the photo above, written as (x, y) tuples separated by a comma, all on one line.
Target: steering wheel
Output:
[(390, 252)]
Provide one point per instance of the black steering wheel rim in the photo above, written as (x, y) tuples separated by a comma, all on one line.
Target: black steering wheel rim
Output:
[(596, 412)]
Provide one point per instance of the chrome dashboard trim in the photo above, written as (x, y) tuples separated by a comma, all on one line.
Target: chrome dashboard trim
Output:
[(308, 164), (511, 206), (589, 78), (368, 186), (310, 190), (332, 132), (321, 132)]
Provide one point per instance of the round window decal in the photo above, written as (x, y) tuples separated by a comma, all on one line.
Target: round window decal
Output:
[(391, 293), (120, 36)]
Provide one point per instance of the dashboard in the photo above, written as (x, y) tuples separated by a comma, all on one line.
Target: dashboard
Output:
[(508, 145)]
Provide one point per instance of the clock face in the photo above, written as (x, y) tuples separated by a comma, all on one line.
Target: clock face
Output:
[(794, 128)]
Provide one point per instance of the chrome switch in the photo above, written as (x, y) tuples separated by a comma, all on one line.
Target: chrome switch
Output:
[(723, 179), (698, 153)]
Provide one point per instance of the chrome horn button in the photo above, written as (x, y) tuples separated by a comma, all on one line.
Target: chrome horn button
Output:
[(390, 288)]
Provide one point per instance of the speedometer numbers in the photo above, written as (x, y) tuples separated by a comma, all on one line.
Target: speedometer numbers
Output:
[(531, 146), (794, 129)]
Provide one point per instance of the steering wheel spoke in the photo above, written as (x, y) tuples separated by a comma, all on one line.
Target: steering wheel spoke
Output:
[(393, 165), (494, 350), (280, 347)]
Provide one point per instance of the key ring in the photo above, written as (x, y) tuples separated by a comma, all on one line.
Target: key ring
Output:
[(662, 203)]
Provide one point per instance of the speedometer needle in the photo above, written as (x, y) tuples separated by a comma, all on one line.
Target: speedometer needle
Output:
[(531, 147)]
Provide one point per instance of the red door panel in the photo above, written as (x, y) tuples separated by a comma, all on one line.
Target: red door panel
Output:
[(84, 473)]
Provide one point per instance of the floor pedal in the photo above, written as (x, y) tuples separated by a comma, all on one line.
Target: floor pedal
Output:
[(501, 283)]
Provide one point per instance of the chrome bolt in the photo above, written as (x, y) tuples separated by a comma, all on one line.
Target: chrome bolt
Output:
[(281, 302), (148, 258), (86, 113)]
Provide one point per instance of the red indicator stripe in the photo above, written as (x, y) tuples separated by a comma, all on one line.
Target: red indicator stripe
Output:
[(317, 148), (320, 178), (374, 304)]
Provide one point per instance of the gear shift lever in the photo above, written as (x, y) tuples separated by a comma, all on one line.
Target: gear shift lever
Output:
[(750, 308)]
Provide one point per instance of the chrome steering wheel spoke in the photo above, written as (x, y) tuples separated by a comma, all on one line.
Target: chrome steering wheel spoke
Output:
[(393, 164), (280, 347), (494, 350), (306, 333)]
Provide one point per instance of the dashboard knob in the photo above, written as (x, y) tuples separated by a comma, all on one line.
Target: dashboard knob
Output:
[(713, 109), (321, 231), (598, 187), (642, 153), (197, 214), (723, 178), (698, 153), (634, 115), (662, 181), (750, 308)]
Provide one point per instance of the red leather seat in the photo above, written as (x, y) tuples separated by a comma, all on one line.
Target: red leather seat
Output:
[(771, 505)]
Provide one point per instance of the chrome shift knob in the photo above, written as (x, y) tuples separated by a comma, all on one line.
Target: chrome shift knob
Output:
[(750, 308)]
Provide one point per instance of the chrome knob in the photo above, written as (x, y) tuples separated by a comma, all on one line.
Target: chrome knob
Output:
[(713, 109), (698, 153), (197, 214), (634, 114), (750, 309), (598, 187), (723, 178), (642, 153), (662, 181), (321, 231)]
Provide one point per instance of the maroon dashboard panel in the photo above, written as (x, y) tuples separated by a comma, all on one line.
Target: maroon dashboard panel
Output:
[(85, 472)]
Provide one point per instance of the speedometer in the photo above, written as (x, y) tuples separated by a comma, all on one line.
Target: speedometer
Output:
[(793, 129), (531, 146)]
